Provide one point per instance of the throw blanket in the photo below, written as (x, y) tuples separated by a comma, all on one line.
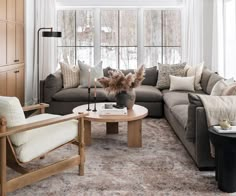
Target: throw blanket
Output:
[(218, 108)]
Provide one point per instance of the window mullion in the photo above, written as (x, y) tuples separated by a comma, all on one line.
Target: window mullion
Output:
[(140, 34), (97, 35)]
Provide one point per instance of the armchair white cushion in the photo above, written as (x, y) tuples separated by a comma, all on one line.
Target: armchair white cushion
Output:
[(11, 109), (45, 139)]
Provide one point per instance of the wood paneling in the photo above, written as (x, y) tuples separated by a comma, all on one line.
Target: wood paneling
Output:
[(3, 84), (3, 9), (20, 84), (3, 43), (19, 43), (11, 43), (11, 83), (11, 10), (20, 11)]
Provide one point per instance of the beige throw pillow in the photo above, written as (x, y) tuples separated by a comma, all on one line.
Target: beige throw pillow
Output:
[(181, 83), (70, 74), (230, 90), (220, 86), (196, 71)]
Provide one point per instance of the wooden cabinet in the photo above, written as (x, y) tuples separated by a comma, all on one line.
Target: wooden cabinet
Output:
[(3, 9), (11, 10), (3, 43), (3, 83), (12, 48), (12, 83)]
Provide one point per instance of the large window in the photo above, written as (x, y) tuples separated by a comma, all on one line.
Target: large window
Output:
[(121, 38)]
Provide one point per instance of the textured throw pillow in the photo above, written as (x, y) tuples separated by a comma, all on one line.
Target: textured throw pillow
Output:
[(11, 109), (220, 86), (230, 90), (165, 70), (196, 71), (70, 74), (95, 72), (181, 83)]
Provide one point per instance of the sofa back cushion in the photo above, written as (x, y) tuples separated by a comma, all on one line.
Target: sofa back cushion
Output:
[(11, 109), (151, 74), (214, 78), (52, 84)]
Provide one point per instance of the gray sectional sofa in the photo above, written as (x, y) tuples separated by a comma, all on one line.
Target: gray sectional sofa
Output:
[(183, 110)]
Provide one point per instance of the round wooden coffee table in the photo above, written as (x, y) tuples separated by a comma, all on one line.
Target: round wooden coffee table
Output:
[(133, 118)]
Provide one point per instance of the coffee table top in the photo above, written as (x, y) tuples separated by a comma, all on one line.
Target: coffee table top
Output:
[(136, 113)]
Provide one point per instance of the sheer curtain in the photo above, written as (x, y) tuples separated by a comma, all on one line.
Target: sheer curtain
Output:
[(45, 16), (192, 24), (224, 38)]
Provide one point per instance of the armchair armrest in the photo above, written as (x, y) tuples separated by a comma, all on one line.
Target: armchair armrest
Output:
[(35, 107), (39, 124)]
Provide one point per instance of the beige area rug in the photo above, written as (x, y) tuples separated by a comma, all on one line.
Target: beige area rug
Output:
[(161, 167)]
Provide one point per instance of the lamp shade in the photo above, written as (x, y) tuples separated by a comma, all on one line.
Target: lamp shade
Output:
[(51, 34)]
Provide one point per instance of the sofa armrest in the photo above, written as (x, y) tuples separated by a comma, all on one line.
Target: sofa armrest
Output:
[(50, 86), (202, 142)]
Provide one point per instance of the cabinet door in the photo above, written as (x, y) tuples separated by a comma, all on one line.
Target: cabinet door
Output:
[(19, 43), (11, 83), (3, 43), (20, 11), (20, 85), (11, 10), (3, 83), (11, 43), (3, 9)]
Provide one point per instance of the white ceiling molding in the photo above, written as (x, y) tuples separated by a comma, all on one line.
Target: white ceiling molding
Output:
[(119, 3)]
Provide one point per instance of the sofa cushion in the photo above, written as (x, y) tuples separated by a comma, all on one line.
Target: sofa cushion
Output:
[(172, 98), (214, 78), (79, 95), (206, 73), (181, 114), (145, 93), (11, 109), (47, 138), (53, 83), (151, 74), (70, 74)]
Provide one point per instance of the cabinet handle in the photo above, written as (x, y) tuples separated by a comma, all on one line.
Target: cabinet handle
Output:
[(16, 71), (17, 60)]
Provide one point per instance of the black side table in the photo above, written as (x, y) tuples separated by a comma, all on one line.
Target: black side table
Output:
[(225, 159)]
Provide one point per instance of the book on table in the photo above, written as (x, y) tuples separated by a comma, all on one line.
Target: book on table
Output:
[(112, 111), (218, 129)]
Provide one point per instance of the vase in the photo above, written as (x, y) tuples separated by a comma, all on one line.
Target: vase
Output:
[(126, 99)]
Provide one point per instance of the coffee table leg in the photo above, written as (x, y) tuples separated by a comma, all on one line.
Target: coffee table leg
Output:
[(135, 133), (87, 132), (112, 127)]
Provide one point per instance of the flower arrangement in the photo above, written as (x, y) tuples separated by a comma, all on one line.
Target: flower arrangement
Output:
[(118, 82)]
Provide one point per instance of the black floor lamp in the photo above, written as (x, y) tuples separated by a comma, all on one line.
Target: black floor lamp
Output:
[(50, 33)]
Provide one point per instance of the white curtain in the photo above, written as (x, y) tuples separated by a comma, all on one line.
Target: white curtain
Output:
[(45, 16), (192, 29), (224, 38)]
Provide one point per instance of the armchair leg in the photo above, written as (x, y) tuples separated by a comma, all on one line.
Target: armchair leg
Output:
[(3, 159)]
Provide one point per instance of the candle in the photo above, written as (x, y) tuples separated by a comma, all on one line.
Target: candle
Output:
[(95, 87), (89, 70)]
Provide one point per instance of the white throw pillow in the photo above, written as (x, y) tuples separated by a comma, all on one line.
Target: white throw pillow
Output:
[(11, 109), (220, 86), (196, 71), (70, 75), (181, 83)]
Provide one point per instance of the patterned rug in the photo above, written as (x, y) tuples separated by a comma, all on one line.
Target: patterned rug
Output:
[(161, 167)]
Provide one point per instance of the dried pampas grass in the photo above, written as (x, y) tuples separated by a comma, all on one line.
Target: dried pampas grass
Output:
[(118, 82)]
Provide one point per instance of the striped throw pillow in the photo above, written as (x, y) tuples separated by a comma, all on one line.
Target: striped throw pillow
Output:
[(70, 74)]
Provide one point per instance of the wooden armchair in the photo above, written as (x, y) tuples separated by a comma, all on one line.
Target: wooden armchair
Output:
[(8, 144)]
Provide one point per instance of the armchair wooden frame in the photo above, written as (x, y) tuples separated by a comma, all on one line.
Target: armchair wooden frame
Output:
[(8, 155)]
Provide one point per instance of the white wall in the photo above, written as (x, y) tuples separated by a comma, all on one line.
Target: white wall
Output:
[(207, 32), (29, 50)]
